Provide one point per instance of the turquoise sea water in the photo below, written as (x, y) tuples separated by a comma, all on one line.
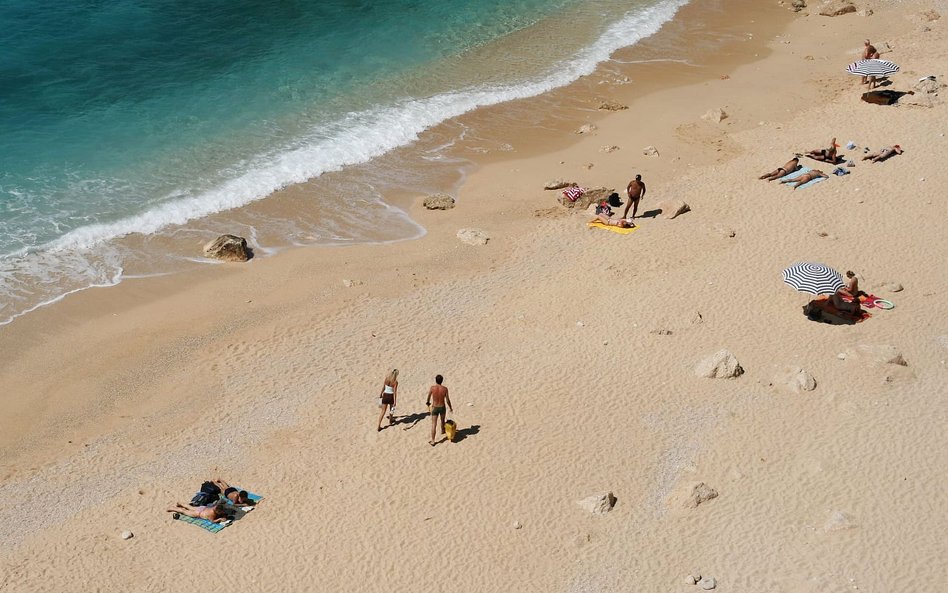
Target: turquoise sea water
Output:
[(130, 117)]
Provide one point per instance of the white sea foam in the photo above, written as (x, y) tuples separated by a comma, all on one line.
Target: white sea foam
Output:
[(360, 137)]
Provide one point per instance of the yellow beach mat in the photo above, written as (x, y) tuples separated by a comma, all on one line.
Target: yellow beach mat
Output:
[(596, 224)]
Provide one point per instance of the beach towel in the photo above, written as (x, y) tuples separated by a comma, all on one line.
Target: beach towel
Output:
[(573, 193), (596, 224), (237, 511), (830, 314), (798, 173)]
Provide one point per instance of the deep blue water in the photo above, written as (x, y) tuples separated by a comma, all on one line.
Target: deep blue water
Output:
[(126, 116)]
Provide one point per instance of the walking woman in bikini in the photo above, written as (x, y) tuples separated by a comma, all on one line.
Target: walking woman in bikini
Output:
[(388, 397)]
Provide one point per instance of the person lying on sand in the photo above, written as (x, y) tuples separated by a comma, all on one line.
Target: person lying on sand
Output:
[(808, 176), (240, 497), (790, 166), (850, 291), (625, 223), (213, 513), (882, 154), (827, 155)]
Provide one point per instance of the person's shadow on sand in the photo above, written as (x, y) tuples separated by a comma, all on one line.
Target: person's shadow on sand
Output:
[(411, 420), (650, 213), (466, 432)]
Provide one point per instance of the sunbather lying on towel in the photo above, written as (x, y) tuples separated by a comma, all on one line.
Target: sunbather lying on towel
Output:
[(883, 154), (805, 178), (625, 223), (240, 497), (827, 155), (214, 513), (791, 166)]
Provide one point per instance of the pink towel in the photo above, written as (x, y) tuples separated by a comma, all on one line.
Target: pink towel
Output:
[(573, 193)]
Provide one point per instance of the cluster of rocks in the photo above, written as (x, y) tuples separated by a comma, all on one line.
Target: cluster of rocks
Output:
[(706, 583)]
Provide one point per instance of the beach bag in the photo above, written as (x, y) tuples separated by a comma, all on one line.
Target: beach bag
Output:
[(208, 495), (450, 429), (603, 208), (614, 200)]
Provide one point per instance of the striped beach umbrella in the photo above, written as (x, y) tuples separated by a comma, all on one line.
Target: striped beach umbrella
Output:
[(872, 68), (813, 278)]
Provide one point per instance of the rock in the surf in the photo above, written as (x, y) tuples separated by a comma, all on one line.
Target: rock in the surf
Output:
[(228, 248)]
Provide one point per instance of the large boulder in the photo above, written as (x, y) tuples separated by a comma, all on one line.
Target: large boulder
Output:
[(228, 248), (473, 236), (439, 202), (720, 365), (673, 208), (598, 504), (837, 8)]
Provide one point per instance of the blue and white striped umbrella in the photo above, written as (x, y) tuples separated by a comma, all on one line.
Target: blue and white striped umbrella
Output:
[(872, 68), (813, 278)]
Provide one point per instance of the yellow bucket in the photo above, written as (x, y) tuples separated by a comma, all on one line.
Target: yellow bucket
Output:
[(450, 429)]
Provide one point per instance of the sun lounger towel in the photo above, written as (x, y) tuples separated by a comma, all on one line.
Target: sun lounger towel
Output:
[(239, 510), (798, 173), (596, 224)]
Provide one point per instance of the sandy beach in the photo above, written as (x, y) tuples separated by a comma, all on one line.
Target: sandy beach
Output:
[(569, 352)]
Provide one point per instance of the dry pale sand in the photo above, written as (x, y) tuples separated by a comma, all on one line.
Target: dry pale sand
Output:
[(564, 382)]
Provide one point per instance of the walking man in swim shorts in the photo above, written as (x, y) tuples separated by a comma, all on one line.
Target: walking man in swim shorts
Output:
[(437, 398), (636, 191)]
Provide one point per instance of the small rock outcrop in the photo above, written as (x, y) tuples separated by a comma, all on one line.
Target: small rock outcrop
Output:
[(439, 202), (473, 236), (795, 380), (593, 195), (673, 208), (878, 353), (586, 129), (893, 287), (839, 521), (127, 534), (612, 106), (720, 365), (228, 248), (707, 583), (838, 8), (650, 151), (558, 184), (611, 148), (797, 5), (700, 494), (715, 115), (598, 504)]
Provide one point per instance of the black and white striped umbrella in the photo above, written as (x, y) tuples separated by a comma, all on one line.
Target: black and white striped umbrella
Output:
[(872, 68), (813, 278)]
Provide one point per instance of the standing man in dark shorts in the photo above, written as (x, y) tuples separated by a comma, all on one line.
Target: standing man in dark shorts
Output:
[(636, 191), (437, 398)]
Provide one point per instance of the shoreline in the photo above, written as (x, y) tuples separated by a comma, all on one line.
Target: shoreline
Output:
[(287, 349)]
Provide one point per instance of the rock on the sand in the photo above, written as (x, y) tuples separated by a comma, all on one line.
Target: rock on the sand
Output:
[(673, 208), (127, 534), (707, 583), (598, 504), (837, 8), (797, 5), (700, 493), (558, 184), (878, 353), (893, 287), (473, 236), (715, 115), (650, 151), (517, 525), (228, 248), (720, 365), (839, 521), (586, 129), (795, 379), (593, 195), (439, 202), (612, 106)]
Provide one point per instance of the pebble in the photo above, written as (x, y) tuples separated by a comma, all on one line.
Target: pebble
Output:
[(690, 579), (841, 356), (127, 534), (707, 583), (517, 525), (580, 324)]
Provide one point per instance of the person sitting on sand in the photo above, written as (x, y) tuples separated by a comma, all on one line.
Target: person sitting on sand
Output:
[(884, 153), (625, 223), (806, 177), (790, 166), (848, 291), (240, 497), (213, 513), (827, 155)]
